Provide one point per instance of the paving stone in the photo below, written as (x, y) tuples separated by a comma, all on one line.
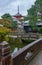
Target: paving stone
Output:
[(37, 60)]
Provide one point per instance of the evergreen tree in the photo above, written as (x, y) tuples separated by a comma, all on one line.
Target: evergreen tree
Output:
[(32, 16), (38, 5), (35, 13)]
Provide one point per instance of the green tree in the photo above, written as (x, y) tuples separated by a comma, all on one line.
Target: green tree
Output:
[(7, 20), (14, 25), (7, 15), (25, 18), (32, 17), (38, 5), (3, 32), (35, 14)]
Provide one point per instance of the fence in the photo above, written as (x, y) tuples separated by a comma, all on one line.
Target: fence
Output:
[(24, 55)]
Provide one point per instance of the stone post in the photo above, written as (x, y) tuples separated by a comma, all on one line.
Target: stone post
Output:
[(5, 55)]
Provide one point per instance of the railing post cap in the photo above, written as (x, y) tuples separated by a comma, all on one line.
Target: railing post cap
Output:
[(4, 43)]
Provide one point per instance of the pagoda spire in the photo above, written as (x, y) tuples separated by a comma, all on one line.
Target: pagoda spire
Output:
[(18, 9)]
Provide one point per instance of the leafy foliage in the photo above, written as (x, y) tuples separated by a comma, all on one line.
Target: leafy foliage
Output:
[(35, 13), (3, 32), (9, 22), (14, 25), (7, 15)]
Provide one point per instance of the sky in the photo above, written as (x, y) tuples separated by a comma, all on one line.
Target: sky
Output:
[(11, 6)]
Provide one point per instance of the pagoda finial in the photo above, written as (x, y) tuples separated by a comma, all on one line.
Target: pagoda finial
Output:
[(18, 9)]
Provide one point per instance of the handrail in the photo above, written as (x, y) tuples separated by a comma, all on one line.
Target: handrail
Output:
[(19, 56), (24, 48)]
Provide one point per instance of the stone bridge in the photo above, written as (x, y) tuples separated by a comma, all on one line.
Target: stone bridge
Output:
[(31, 36), (28, 55)]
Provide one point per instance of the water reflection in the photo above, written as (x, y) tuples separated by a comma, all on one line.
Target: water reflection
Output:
[(15, 50)]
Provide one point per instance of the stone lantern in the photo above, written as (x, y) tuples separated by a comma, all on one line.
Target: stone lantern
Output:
[(5, 55)]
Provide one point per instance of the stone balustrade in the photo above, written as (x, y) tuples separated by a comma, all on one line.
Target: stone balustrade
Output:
[(21, 57), (25, 54)]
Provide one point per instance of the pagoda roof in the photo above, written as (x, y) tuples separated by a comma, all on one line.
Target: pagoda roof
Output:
[(18, 14)]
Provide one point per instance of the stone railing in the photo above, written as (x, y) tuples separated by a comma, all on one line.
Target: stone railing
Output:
[(33, 36), (24, 55)]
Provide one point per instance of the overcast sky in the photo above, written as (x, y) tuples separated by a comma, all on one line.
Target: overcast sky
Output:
[(10, 6)]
